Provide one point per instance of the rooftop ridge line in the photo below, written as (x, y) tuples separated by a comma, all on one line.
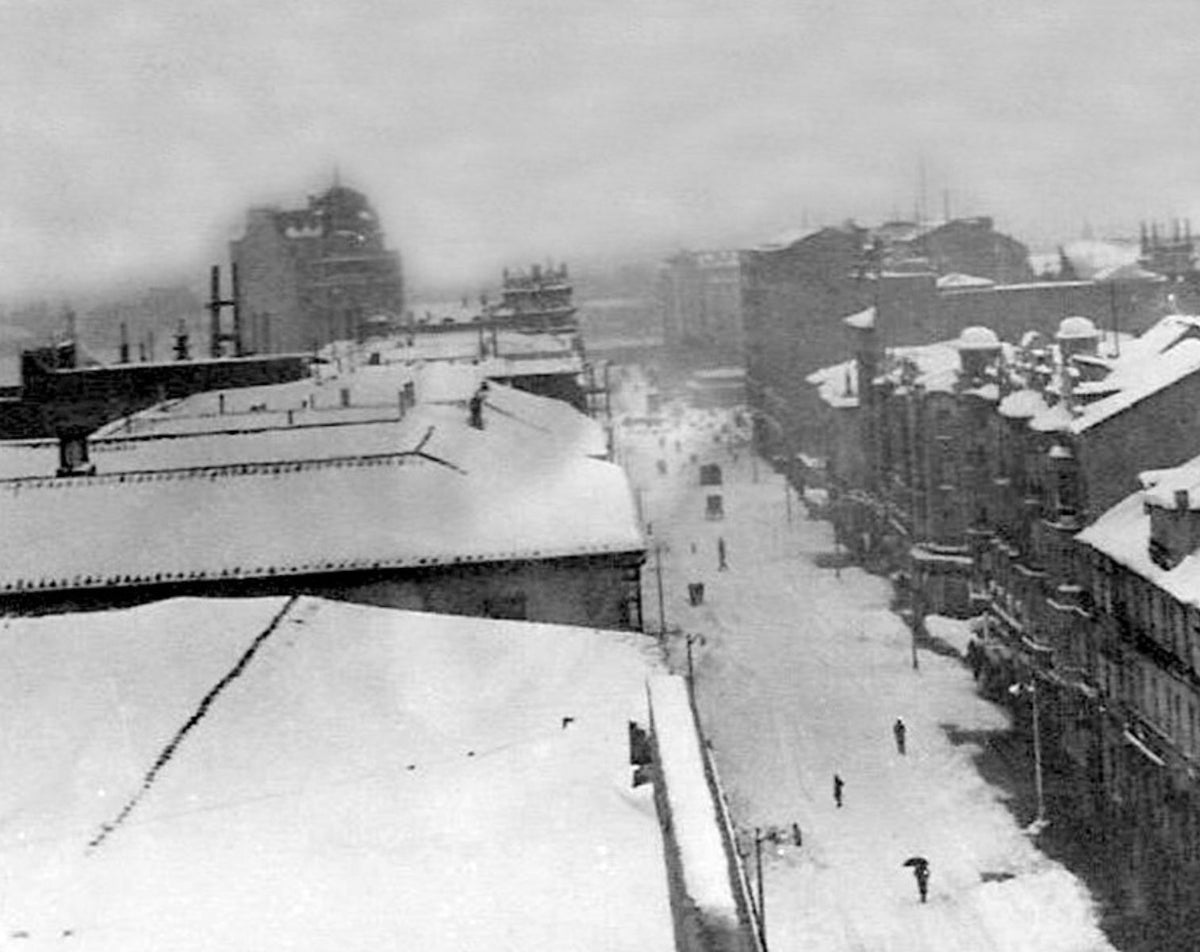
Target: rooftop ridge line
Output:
[(16, 484)]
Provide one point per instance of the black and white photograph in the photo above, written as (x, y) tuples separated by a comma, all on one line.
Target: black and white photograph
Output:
[(660, 476)]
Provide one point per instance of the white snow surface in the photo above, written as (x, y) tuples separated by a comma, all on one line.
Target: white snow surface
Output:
[(693, 815), (800, 674), (371, 779), (1141, 379), (1123, 534), (373, 396), (494, 496)]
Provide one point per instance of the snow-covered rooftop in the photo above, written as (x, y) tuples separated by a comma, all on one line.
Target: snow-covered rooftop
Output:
[(1053, 419), (466, 344), (977, 338), (958, 282), (1123, 534), (1147, 377), (863, 320), (297, 423), (1023, 404), (352, 778), (1159, 486), (1076, 328), (446, 493), (835, 384)]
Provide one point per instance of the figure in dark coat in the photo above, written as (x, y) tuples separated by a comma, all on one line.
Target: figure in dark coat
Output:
[(921, 871), (899, 731), (476, 407), (837, 790), (722, 563)]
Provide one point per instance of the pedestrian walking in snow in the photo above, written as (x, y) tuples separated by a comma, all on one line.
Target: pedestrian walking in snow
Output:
[(898, 730), (920, 868), (722, 563), (837, 790)]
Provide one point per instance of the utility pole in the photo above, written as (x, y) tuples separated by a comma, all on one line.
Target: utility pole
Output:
[(662, 611), (918, 614), (762, 909)]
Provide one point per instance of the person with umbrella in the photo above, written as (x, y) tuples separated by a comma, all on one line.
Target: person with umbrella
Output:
[(920, 868)]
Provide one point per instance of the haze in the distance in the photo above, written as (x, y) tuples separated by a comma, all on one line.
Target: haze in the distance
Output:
[(492, 133)]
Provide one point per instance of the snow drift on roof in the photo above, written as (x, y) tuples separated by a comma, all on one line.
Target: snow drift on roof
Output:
[(1023, 404), (1150, 376), (371, 778), (474, 496), (863, 320), (956, 282), (1123, 534)]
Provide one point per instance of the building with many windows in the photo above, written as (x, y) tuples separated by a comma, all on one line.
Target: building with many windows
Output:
[(700, 298), (309, 276), (994, 480)]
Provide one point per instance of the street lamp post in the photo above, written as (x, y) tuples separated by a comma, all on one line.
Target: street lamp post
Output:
[(662, 611)]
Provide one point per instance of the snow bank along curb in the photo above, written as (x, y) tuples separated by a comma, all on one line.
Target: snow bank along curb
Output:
[(700, 861)]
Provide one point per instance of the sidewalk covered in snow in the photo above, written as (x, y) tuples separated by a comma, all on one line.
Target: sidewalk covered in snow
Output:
[(801, 672)]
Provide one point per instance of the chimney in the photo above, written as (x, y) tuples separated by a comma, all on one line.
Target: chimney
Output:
[(238, 344), (73, 453), (181, 342)]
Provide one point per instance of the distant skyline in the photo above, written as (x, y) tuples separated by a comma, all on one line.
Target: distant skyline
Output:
[(496, 132)]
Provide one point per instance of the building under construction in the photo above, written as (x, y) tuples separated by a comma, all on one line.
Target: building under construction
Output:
[(310, 276)]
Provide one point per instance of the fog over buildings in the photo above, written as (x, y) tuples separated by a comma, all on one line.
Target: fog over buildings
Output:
[(488, 133)]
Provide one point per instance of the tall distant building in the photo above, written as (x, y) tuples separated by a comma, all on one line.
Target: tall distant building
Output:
[(700, 300), (314, 275)]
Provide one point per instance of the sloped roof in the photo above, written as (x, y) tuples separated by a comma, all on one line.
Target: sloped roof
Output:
[(1123, 534), (1130, 271), (470, 496), (1149, 376), (368, 778)]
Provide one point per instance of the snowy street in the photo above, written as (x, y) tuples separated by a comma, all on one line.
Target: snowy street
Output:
[(801, 672)]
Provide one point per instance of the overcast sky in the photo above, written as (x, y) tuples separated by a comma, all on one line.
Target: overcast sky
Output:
[(496, 132)]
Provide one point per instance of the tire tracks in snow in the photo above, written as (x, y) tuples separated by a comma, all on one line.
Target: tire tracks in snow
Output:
[(164, 757)]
